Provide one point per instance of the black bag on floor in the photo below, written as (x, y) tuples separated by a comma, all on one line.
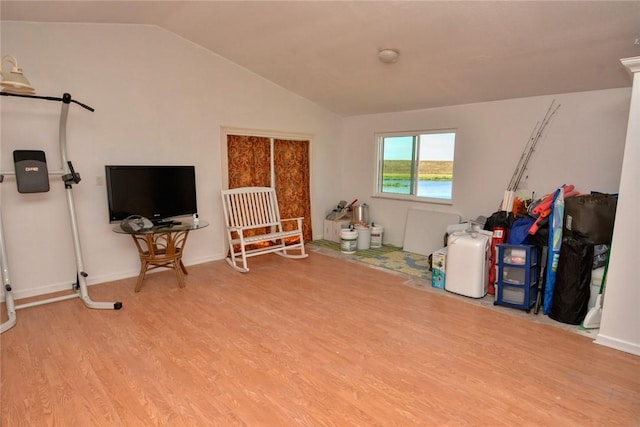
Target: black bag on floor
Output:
[(573, 280)]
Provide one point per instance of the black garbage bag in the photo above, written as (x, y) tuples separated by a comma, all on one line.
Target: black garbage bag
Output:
[(573, 280)]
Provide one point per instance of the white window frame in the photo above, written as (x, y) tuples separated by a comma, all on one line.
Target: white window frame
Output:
[(377, 185)]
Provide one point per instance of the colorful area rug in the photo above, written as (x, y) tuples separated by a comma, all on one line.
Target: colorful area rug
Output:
[(402, 262), (387, 257), (371, 252)]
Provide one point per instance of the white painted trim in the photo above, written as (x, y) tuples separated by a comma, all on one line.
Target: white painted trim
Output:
[(226, 130), (615, 343), (633, 64), (126, 274)]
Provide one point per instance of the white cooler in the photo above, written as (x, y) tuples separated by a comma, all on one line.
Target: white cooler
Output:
[(468, 263)]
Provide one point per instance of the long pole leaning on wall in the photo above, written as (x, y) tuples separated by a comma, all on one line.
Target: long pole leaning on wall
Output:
[(69, 177)]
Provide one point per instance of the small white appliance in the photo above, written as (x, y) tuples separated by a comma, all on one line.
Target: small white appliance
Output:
[(468, 262)]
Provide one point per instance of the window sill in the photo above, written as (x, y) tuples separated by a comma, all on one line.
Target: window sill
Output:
[(411, 198)]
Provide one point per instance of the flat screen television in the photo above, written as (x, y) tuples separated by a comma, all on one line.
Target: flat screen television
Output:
[(158, 193)]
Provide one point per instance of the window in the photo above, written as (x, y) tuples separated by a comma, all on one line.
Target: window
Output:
[(416, 165)]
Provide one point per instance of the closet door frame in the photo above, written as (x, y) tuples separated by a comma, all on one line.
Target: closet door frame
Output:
[(224, 159)]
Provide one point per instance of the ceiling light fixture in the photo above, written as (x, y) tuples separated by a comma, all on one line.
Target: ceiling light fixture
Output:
[(388, 56), (13, 81)]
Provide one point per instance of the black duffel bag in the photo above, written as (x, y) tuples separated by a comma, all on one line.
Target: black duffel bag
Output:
[(573, 280), (591, 215)]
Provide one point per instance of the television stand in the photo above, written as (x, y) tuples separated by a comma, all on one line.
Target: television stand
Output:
[(162, 246), (166, 223)]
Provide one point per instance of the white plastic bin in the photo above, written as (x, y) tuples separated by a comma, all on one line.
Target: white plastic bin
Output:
[(376, 236), (364, 237), (348, 241)]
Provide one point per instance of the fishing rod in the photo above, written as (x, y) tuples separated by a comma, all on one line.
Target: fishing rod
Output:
[(536, 134), (545, 121), (512, 182)]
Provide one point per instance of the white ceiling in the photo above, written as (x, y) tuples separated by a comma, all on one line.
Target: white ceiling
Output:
[(451, 52)]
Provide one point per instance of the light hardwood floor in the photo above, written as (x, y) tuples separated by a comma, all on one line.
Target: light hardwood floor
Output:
[(313, 342)]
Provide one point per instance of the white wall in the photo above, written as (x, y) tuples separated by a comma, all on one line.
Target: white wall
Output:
[(158, 99), (620, 326), (583, 145)]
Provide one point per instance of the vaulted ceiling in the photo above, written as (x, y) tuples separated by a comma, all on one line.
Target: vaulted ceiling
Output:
[(451, 52)]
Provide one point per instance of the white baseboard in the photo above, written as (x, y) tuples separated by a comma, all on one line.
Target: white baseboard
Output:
[(42, 290), (618, 344), (92, 280)]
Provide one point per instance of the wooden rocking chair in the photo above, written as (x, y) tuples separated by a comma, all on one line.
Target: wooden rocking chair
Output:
[(252, 217)]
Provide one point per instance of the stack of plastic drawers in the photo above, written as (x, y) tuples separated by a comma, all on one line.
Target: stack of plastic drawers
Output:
[(517, 276)]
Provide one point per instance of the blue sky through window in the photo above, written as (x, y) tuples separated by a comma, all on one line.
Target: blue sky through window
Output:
[(433, 146)]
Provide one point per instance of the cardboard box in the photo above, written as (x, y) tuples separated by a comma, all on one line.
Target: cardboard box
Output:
[(438, 264)]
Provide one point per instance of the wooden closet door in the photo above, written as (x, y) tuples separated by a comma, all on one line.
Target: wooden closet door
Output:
[(291, 167), (250, 160)]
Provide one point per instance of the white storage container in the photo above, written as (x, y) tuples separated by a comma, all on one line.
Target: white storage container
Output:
[(348, 241), (364, 237), (376, 235), (468, 263)]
